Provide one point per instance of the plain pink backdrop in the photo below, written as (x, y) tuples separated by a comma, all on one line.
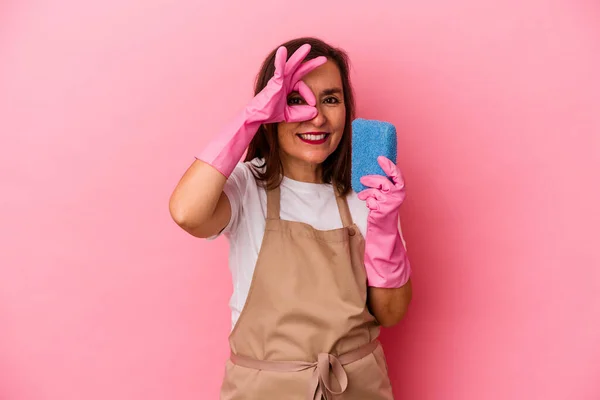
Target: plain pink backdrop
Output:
[(104, 104)]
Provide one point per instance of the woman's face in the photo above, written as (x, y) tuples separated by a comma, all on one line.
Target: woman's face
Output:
[(309, 143)]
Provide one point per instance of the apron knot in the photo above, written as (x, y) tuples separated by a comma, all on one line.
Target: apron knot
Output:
[(327, 365)]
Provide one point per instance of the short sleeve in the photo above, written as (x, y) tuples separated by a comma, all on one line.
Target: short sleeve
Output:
[(234, 189)]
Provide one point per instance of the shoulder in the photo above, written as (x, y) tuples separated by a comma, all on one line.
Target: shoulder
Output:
[(243, 175), (244, 197), (247, 169), (241, 184)]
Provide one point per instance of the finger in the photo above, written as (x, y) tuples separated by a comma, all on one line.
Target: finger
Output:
[(391, 170), (307, 67), (372, 204), (377, 182), (306, 93), (371, 198), (280, 57), (370, 194), (296, 58), (300, 113)]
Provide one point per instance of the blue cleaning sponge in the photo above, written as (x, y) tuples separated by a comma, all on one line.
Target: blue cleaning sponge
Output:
[(371, 139)]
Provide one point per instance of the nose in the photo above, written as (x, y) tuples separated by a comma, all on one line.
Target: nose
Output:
[(320, 119)]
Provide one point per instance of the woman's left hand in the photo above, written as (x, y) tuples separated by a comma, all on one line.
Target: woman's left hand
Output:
[(384, 196), (386, 262)]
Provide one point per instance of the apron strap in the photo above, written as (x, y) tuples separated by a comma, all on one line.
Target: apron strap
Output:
[(273, 202), (343, 208)]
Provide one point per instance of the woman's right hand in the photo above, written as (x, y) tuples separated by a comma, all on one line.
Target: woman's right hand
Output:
[(270, 105)]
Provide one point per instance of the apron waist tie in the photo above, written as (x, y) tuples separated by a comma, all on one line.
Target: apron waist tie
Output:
[(320, 384)]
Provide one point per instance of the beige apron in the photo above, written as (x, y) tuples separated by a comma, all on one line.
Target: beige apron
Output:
[(305, 332)]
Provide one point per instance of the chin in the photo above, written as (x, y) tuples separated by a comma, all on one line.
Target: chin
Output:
[(314, 158)]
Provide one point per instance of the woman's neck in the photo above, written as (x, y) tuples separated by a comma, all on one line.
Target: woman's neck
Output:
[(302, 171)]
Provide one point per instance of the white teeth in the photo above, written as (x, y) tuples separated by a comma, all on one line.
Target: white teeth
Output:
[(312, 137)]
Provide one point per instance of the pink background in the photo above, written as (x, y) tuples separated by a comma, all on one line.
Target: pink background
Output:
[(104, 104)]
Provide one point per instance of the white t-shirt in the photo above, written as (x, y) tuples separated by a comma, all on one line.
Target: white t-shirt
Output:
[(311, 203)]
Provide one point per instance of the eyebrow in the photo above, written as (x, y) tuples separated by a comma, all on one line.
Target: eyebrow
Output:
[(335, 90)]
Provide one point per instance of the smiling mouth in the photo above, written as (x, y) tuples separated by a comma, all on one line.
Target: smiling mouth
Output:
[(313, 138)]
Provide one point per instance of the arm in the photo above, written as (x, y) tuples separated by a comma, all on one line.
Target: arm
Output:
[(389, 305), (202, 213), (198, 203), (386, 262)]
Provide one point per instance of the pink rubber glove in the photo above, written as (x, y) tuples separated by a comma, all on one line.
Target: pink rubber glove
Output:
[(268, 106), (386, 261)]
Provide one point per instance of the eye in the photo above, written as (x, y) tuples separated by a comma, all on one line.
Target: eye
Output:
[(295, 100), (331, 100)]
